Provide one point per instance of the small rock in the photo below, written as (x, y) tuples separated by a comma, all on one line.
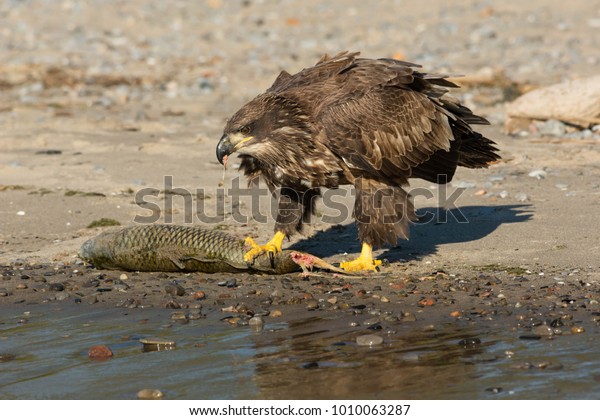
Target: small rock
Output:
[(56, 287), (503, 194), (123, 277), (121, 286), (312, 304), (175, 290), (256, 323), (178, 316), (426, 302), (369, 340), (275, 313), (20, 213), (91, 299), (61, 296), (21, 286), (172, 305), (371, 321), (4, 291), (538, 174), (543, 330), (553, 128), (521, 197), (577, 330), (150, 394), (231, 283), (408, 317), (100, 352), (91, 283), (199, 295)]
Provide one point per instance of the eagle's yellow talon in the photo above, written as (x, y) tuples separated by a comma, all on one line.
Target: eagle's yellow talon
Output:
[(360, 264), (364, 262), (272, 247)]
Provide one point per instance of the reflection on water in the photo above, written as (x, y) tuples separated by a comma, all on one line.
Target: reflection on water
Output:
[(315, 358)]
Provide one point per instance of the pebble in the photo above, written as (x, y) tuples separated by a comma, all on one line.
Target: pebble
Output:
[(538, 174), (56, 287), (90, 299), (121, 286), (172, 305), (178, 316), (61, 296), (20, 213), (371, 321), (521, 197), (369, 340), (91, 283), (312, 304), (21, 286), (543, 330), (408, 317), (199, 295), (175, 290), (577, 329), (123, 277), (256, 322), (4, 291), (275, 313), (100, 352), (552, 128), (150, 394)]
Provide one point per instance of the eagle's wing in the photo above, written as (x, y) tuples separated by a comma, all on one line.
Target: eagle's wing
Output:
[(325, 68), (387, 131)]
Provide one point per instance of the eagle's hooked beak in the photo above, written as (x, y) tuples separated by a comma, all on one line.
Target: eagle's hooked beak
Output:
[(224, 148), (229, 144)]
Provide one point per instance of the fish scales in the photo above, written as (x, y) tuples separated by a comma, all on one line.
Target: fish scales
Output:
[(178, 248)]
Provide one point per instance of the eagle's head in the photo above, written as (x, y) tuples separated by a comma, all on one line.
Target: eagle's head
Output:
[(263, 129)]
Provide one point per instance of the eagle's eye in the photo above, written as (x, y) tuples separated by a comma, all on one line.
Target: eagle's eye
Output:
[(245, 130)]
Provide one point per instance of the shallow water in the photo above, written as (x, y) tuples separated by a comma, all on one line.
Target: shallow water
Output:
[(314, 357)]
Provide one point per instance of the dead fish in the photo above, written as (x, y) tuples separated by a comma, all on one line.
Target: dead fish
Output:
[(187, 249)]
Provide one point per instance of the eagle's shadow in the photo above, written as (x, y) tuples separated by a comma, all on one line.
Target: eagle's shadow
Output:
[(435, 226)]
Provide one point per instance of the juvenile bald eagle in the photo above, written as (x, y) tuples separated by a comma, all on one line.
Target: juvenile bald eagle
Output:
[(372, 123)]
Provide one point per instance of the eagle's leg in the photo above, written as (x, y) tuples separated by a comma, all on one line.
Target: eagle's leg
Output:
[(294, 207), (382, 213), (364, 262), (273, 246)]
